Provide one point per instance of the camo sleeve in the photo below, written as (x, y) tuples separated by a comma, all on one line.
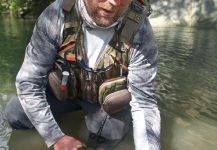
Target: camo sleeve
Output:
[(32, 77), (142, 72)]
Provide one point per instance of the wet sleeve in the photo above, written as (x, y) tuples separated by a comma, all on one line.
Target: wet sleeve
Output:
[(32, 77), (142, 72)]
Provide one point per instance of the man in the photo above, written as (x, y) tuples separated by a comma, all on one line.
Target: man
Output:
[(99, 21)]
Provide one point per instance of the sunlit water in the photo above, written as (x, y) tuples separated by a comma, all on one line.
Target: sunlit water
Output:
[(186, 88)]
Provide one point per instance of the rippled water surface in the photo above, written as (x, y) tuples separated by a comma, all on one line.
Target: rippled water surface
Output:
[(186, 88)]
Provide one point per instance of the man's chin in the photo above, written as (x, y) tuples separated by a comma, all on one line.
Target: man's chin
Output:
[(104, 22)]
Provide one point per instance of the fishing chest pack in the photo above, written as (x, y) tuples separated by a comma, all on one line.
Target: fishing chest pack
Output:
[(106, 83)]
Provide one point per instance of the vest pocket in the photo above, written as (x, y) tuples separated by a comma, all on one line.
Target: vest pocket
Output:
[(113, 94), (117, 101), (55, 79), (55, 83)]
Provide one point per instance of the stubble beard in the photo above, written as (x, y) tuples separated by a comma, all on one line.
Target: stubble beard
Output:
[(104, 21)]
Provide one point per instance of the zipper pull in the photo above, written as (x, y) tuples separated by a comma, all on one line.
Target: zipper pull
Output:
[(121, 71), (65, 76)]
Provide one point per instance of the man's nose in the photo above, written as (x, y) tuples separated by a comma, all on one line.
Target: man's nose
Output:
[(115, 2)]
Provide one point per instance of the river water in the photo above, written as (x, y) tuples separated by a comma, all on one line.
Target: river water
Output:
[(186, 88)]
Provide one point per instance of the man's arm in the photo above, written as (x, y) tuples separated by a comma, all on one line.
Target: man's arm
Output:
[(142, 72), (32, 78)]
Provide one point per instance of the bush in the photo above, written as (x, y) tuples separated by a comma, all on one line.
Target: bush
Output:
[(15, 5)]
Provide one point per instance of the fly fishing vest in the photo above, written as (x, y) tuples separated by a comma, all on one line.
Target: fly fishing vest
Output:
[(106, 83)]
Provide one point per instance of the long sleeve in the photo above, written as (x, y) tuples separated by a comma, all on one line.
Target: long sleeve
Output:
[(32, 78), (142, 72)]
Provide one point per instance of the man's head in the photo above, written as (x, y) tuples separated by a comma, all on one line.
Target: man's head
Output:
[(106, 12)]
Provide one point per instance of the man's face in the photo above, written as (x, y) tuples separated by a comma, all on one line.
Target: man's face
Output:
[(106, 12)]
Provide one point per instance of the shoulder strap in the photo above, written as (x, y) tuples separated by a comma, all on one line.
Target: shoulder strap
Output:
[(68, 4), (138, 10), (71, 27), (71, 21)]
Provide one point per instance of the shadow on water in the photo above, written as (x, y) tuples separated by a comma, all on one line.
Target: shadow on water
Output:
[(19, 138), (185, 88), (71, 124)]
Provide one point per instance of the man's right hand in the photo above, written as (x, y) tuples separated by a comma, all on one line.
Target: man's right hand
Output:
[(68, 143)]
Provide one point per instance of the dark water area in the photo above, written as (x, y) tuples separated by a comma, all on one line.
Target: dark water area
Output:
[(186, 88)]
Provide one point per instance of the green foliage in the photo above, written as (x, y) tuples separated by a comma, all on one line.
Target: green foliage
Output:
[(15, 5)]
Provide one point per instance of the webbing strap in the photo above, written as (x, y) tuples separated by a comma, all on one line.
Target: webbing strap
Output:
[(71, 24), (132, 21)]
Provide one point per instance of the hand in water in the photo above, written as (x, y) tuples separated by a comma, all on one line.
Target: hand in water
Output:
[(69, 143)]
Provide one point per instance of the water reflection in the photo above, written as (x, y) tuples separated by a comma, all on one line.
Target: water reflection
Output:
[(187, 71), (186, 88), (14, 35)]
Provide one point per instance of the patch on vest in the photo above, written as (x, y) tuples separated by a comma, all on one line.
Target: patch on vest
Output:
[(134, 16)]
